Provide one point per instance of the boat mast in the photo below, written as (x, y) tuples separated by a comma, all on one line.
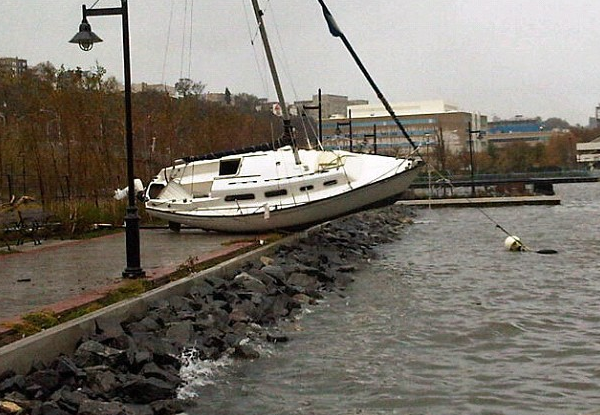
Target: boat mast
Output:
[(336, 32), (287, 125)]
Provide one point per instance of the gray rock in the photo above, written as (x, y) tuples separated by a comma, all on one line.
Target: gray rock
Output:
[(92, 353), (245, 351), (301, 279), (182, 332), (102, 381), (144, 390), (274, 271), (247, 282)]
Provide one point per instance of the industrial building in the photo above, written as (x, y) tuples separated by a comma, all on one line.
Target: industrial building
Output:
[(432, 125), (518, 129)]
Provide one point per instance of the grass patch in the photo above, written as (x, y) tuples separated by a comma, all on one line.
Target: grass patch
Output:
[(38, 321), (191, 265)]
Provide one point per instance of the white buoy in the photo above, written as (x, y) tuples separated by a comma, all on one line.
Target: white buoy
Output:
[(513, 243)]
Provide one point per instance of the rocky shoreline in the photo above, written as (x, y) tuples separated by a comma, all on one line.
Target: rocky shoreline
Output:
[(134, 367)]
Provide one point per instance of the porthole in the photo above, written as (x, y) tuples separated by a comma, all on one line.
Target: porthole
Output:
[(242, 196), (274, 193)]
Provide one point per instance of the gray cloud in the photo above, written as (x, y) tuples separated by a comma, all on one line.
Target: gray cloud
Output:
[(531, 57)]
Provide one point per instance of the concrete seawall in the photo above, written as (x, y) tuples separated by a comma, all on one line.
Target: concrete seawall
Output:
[(20, 356)]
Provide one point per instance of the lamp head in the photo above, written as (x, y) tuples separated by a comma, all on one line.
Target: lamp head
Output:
[(85, 37)]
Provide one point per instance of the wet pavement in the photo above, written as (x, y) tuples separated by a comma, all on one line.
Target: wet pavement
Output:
[(56, 271)]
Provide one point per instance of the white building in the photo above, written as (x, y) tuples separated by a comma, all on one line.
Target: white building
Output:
[(437, 106), (589, 152)]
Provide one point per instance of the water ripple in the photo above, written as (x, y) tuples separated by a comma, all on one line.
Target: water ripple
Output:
[(447, 322)]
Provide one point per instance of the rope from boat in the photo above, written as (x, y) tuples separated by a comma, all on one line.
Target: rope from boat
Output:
[(252, 36), (191, 38), (164, 67), (183, 40), (486, 215)]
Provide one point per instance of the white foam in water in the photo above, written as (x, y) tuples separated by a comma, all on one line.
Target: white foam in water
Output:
[(195, 372)]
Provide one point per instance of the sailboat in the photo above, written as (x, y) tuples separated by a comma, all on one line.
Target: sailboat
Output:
[(279, 186)]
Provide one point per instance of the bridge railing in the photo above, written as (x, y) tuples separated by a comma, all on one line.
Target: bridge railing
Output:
[(513, 176)]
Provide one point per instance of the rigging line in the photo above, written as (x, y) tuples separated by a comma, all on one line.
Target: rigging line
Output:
[(468, 199), (286, 68), (94, 5), (164, 68), (183, 40), (283, 59), (191, 37), (260, 69)]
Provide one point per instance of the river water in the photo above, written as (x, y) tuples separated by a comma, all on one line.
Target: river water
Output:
[(446, 321)]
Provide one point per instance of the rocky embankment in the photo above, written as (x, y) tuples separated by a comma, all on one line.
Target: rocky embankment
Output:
[(134, 367)]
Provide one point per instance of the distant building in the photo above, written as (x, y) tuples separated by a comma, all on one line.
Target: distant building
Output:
[(589, 153), (15, 65), (404, 108), (594, 121), (141, 87), (518, 129), (331, 105), (217, 97), (430, 124)]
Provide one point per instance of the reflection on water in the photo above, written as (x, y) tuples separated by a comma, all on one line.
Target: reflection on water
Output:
[(447, 322)]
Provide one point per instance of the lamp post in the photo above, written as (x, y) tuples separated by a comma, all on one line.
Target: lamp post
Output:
[(471, 132), (86, 39), (374, 137), (320, 108), (349, 124)]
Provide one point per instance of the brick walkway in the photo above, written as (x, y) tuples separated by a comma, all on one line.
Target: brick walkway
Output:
[(60, 274)]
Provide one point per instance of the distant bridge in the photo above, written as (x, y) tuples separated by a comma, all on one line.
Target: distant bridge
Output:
[(542, 182)]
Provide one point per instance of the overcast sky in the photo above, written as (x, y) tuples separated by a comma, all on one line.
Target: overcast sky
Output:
[(498, 57)]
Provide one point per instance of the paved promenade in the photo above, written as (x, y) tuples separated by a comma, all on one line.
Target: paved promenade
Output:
[(59, 271)]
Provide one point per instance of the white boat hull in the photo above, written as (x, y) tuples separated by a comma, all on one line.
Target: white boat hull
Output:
[(262, 215)]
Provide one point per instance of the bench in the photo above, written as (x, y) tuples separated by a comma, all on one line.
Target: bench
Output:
[(32, 222), (19, 225), (9, 227)]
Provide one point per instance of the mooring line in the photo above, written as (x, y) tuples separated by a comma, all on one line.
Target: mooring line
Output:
[(517, 240)]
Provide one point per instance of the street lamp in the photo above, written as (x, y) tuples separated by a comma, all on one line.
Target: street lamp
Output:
[(471, 132), (320, 108), (343, 123), (374, 137), (86, 39)]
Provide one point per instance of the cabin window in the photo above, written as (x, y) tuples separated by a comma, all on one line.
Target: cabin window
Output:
[(307, 188), (241, 196), (330, 183), (154, 191), (274, 193), (229, 167)]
